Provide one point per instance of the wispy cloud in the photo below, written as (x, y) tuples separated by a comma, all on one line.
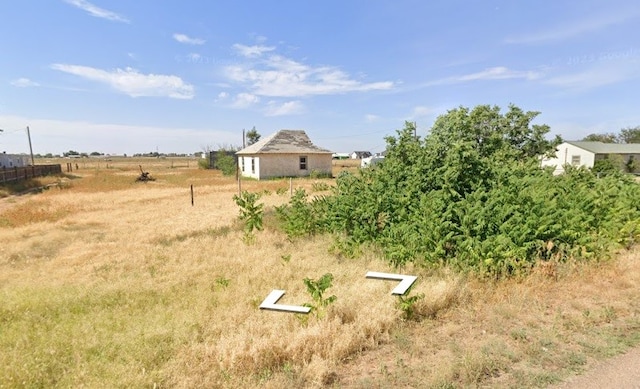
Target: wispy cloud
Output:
[(252, 51), (598, 75), (57, 136), (245, 100), (194, 58), (575, 28), (283, 109), (24, 83), (182, 38), (494, 73), (421, 112), (370, 118), (96, 11), (498, 73), (278, 76), (133, 83)]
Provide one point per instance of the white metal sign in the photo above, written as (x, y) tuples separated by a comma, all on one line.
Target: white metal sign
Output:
[(403, 286), (272, 299)]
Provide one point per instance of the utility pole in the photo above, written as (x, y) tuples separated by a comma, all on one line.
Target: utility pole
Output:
[(243, 139), (30, 148)]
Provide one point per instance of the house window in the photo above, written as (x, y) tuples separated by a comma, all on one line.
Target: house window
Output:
[(242, 158), (303, 163), (575, 160), (253, 165)]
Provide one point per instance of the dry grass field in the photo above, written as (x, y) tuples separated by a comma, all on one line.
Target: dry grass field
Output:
[(105, 282)]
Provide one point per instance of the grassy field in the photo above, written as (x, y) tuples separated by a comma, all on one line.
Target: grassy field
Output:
[(105, 282)]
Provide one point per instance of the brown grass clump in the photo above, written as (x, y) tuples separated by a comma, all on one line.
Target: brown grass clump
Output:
[(30, 212), (113, 283)]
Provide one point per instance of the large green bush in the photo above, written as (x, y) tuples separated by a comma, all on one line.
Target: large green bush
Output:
[(472, 195)]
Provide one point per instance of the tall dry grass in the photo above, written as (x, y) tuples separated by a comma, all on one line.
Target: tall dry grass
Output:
[(108, 282), (127, 283)]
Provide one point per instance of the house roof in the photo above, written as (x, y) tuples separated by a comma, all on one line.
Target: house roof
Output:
[(608, 148), (284, 142)]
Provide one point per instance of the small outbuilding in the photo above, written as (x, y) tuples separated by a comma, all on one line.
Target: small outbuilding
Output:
[(286, 153), (581, 153), (13, 160)]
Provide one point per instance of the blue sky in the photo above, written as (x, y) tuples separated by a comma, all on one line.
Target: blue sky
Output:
[(125, 76)]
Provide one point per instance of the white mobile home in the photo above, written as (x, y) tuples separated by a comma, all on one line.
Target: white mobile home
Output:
[(286, 153), (587, 153)]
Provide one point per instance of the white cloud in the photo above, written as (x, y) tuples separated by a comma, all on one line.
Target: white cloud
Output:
[(495, 73), (245, 100), (600, 74), (498, 73), (182, 38), (370, 118), (575, 28), (278, 76), (57, 136), (288, 108), (133, 83), (194, 57), (96, 11), (24, 83), (252, 51), (223, 95), (421, 111)]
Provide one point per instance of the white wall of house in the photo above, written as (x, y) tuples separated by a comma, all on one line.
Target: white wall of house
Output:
[(249, 166), (569, 154), (13, 160), (284, 165)]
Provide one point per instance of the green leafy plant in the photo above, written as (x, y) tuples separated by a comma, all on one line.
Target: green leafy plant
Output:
[(251, 212), (320, 186), (407, 305), (298, 218), (223, 282), (316, 289)]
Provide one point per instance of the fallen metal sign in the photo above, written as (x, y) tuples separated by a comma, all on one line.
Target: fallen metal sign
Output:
[(271, 302), (272, 299), (403, 286)]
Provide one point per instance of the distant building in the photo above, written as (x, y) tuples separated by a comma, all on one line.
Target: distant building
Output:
[(586, 154), (371, 161), (13, 160), (340, 156), (286, 153), (360, 154)]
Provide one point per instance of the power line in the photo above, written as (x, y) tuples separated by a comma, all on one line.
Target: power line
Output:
[(5, 132)]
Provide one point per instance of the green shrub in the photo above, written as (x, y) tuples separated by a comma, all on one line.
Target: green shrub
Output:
[(251, 213), (226, 163), (472, 195), (204, 163), (297, 218)]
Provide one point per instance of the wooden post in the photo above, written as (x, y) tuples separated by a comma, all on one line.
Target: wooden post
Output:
[(239, 187), (290, 187), (192, 195)]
